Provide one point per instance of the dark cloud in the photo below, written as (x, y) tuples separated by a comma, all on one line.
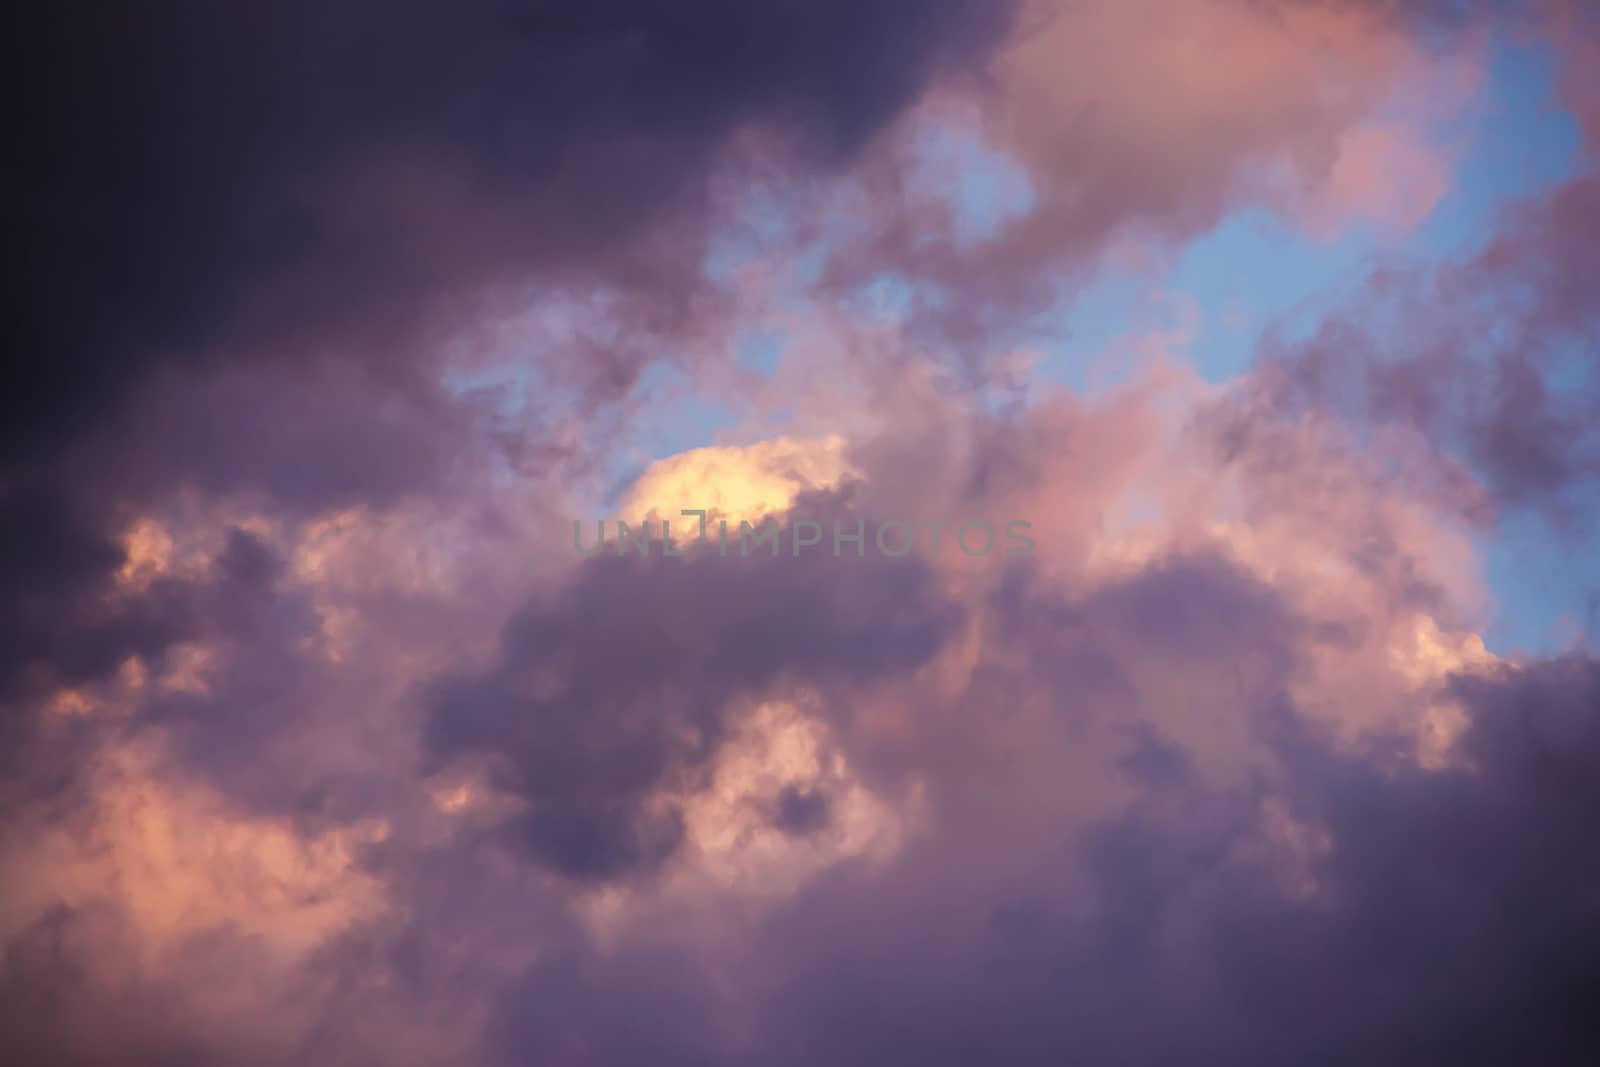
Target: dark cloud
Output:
[(1199, 616), (801, 810), (625, 685), (192, 183), (1347, 903), (46, 976), (56, 625), (244, 729), (562, 1010), (1446, 917)]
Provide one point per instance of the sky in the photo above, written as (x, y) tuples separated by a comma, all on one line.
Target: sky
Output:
[(389, 670)]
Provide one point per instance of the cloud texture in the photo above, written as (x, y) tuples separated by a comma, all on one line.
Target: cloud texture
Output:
[(323, 743)]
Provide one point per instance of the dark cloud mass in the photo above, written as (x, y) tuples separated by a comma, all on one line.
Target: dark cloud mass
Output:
[(587, 743), (1451, 922), (226, 198), (192, 181)]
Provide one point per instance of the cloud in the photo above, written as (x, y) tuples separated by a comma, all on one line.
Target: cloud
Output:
[(1480, 360), (587, 746), (323, 744), (250, 236), (801, 807), (215, 181), (1382, 173), (1126, 128), (740, 484)]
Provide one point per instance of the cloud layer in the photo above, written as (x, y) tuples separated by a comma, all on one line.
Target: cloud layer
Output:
[(324, 743)]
